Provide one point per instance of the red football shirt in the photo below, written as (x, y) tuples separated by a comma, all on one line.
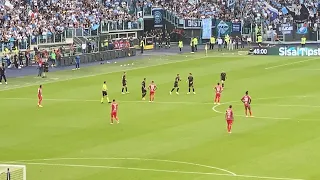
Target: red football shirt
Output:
[(152, 87), (39, 92), (246, 99), (218, 89), (114, 107), (229, 114)]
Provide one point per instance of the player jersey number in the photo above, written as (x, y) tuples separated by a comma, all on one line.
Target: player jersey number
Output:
[(246, 100)]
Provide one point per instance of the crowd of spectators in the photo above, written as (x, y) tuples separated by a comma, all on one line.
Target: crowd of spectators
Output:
[(22, 19), (191, 9), (271, 11)]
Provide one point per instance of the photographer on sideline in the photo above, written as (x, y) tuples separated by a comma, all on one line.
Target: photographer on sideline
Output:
[(3, 74), (40, 67)]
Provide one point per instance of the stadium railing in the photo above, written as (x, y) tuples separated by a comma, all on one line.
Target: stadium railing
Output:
[(115, 26)]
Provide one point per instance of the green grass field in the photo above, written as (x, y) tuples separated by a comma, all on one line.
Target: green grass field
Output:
[(178, 136)]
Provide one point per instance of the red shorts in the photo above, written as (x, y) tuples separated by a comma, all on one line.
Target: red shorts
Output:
[(151, 92), (39, 97), (229, 122), (218, 95), (113, 114), (247, 105)]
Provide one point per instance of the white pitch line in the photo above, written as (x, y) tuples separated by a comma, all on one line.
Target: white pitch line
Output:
[(152, 170), (305, 69), (137, 159), (288, 64), (91, 100), (176, 102), (259, 117), (97, 74)]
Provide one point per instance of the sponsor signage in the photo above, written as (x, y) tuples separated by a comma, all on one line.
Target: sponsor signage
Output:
[(297, 51), (192, 23)]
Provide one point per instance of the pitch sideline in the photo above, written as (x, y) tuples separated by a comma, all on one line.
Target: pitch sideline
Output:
[(98, 74)]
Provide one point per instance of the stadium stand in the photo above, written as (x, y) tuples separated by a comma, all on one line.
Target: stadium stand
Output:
[(51, 21), (71, 25)]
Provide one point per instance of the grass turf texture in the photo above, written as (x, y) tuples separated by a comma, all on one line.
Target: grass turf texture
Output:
[(282, 141)]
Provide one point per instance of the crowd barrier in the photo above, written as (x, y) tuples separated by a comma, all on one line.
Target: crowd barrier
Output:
[(104, 55)]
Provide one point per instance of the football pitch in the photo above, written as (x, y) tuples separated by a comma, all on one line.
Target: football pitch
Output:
[(176, 137)]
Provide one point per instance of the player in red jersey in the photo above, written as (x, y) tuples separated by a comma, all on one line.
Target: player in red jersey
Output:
[(229, 118), (246, 99), (114, 111), (40, 96), (152, 88), (218, 88)]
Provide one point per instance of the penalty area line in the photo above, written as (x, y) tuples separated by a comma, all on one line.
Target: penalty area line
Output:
[(135, 159), (152, 170)]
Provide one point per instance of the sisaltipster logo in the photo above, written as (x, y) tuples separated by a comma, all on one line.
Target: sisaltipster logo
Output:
[(296, 51)]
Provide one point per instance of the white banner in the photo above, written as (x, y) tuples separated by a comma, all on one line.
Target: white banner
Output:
[(286, 28), (206, 28)]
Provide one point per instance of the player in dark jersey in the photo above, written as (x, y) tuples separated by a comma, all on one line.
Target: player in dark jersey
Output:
[(124, 83), (223, 77), (190, 81), (143, 89), (176, 84)]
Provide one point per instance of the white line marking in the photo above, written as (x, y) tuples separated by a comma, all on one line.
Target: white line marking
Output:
[(173, 102), (179, 102), (97, 74), (259, 117), (288, 64), (152, 170), (169, 102), (137, 159), (305, 69), (91, 100), (192, 103)]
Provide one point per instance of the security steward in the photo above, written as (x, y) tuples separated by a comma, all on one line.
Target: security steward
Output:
[(192, 45), (142, 45), (303, 41), (195, 41), (180, 45), (212, 42), (259, 40)]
